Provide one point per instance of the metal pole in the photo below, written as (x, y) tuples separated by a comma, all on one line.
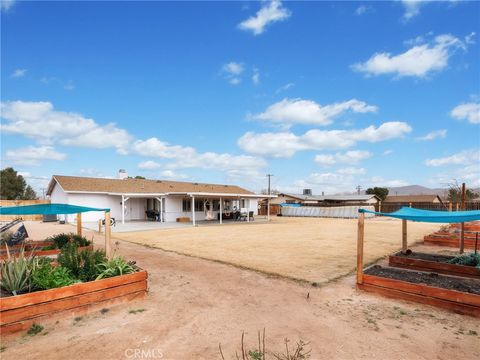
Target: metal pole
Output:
[(221, 210), (193, 210), (269, 176)]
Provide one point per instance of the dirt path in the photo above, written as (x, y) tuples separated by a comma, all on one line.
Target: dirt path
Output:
[(194, 304)]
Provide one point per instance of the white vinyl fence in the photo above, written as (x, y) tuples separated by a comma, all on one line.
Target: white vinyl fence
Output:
[(346, 212)]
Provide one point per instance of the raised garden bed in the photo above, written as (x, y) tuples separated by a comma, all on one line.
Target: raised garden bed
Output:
[(36, 251), (20, 312), (450, 241), (455, 294), (432, 263)]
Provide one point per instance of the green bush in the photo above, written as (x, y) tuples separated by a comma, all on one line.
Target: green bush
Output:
[(47, 276), (83, 265), (60, 240), (15, 272), (90, 261), (116, 266), (471, 259)]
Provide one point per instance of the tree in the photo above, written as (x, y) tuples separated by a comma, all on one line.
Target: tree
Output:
[(379, 191), (455, 193), (14, 186)]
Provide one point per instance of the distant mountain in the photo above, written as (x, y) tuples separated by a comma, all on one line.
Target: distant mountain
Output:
[(416, 190)]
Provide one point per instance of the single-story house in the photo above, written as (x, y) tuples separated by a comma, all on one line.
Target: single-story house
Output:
[(407, 199), (137, 199)]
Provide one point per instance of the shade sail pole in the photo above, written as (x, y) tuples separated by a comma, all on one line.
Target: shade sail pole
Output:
[(462, 225), (360, 234), (108, 236), (79, 224), (404, 236)]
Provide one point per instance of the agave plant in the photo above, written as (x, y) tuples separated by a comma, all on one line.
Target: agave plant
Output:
[(15, 272), (114, 267)]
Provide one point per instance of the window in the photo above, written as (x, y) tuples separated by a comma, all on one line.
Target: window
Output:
[(216, 205), (242, 204), (289, 201), (187, 205)]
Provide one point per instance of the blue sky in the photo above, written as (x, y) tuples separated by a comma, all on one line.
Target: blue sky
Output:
[(324, 95)]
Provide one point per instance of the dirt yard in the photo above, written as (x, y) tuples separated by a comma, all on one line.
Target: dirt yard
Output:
[(195, 304), (311, 249)]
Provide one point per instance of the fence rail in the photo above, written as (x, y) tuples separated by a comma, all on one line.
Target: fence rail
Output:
[(5, 203)]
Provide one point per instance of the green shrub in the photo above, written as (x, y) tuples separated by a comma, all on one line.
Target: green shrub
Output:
[(90, 261), (5, 237), (116, 266), (15, 272), (60, 240), (471, 259), (83, 265), (35, 329), (47, 276)]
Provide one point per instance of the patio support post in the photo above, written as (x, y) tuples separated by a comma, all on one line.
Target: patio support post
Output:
[(360, 234), (268, 209), (108, 236), (404, 236), (221, 210), (161, 210), (248, 209), (79, 224), (193, 210), (123, 209)]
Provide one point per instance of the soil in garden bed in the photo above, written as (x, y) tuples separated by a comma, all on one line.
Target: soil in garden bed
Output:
[(432, 279), (425, 256)]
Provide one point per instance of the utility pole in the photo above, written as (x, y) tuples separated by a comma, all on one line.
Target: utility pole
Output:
[(269, 176), (359, 188)]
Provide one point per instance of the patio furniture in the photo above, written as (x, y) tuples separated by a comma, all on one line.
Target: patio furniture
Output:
[(152, 215), (250, 215)]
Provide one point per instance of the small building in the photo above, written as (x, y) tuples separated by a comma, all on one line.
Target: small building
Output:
[(140, 199)]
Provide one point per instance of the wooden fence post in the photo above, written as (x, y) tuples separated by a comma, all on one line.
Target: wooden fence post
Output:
[(404, 236), (360, 234), (100, 226), (462, 225), (79, 224), (108, 236)]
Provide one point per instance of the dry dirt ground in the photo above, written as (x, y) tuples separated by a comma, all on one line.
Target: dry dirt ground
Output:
[(312, 249), (195, 304)]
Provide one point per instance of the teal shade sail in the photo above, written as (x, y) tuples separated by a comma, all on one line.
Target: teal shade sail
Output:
[(431, 216), (46, 209)]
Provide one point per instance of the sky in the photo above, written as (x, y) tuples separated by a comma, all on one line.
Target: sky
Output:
[(323, 95)]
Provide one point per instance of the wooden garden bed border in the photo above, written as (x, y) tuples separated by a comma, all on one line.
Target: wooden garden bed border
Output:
[(43, 252), (449, 242), (19, 312), (397, 260), (456, 301)]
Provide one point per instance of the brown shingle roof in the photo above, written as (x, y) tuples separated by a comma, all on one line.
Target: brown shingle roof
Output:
[(411, 198), (139, 186)]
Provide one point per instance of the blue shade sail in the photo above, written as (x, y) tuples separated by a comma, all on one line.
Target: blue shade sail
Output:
[(432, 216), (46, 209)]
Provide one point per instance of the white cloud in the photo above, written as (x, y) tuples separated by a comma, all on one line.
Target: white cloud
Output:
[(33, 155), (298, 111), (352, 171), (233, 68), (467, 111), (19, 73), (284, 88), (6, 5), (232, 71), (432, 135), (40, 121), (286, 144), (148, 165), (188, 157), (412, 8), (362, 9), (170, 174), (349, 157), (418, 61), (270, 12), (387, 152), (256, 76), (466, 157)]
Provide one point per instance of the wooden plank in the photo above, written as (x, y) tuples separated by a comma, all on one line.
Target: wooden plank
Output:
[(37, 297), (445, 304), (440, 267), (360, 236), (449, 242), (44, 252), (78, 311), (79, 224), (422, 289), (28, 312), (108, 235)]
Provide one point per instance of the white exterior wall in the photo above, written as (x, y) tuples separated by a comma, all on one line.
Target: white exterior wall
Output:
[(135, 207)]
